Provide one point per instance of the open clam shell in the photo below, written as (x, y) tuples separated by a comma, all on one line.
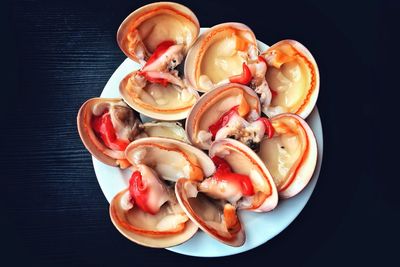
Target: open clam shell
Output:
[(293, 76), (209, 214), (150, 25), (144, 228), (171, 159), (121, 112), (291, 155), (212, 105), (168, 103), (245, 161), (218, 54)]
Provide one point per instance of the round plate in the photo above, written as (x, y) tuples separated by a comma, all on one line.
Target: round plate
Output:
[(260, 227)]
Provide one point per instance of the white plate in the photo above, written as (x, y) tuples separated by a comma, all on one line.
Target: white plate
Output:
[(260, 227)]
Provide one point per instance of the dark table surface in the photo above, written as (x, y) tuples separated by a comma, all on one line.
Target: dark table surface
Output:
[(60, 53)]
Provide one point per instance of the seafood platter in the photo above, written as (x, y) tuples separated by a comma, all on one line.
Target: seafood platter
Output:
[(205, 141)]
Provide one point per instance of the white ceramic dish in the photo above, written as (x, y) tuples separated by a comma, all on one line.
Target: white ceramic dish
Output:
[(260, 227)]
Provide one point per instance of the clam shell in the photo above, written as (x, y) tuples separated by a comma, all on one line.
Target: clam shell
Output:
[(293, 74), (89, 138), (245, 161), (152, 24), (293, 143), (166, 157), (210, 107), (128, 224), (173, 110), (197, 60), (207, 214)]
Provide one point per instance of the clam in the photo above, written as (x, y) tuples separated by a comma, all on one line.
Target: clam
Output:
[(241, 181), (290, 155), (292, 77), (148, 212), (169, 101), (172, 159), (168, 226), (106, 127), (242, 160), (231, 110), (225, 53), (151, 25)]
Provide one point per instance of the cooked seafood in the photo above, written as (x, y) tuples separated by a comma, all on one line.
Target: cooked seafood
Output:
[(292, 77), (290, 155), (106, 127)]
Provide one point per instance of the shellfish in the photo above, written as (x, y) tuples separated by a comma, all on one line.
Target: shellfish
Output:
[(231, 110), (290, 155), (106, 127), (293, 78), (241, 181), (224, 53), (148, 212)]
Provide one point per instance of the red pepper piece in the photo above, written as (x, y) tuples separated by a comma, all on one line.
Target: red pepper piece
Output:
[(138, 191), (221, 164), (224, 174), (160, 50), (269, 129), (161, 81), (243, 78), (102, 125), (261, 58), (214, 128)]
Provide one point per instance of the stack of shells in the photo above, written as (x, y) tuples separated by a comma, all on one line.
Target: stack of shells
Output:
[(245, 143)]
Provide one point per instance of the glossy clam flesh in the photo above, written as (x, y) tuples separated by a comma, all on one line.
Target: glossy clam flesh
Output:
[(291, 155), (218, 54), (293, 78), (173, 130)]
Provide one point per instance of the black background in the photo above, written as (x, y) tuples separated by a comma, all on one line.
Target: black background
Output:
[(57, 54)]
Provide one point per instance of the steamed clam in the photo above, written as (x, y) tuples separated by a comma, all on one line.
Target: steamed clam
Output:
[(151, 25), (158, 36), (241, 181), (158, 98), (148, 212), (106, 127), (224, 53), (290, 155), (292, 77), (229, 111)]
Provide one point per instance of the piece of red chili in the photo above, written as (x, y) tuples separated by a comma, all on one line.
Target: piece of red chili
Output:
[(221, 122), (243, 78), (104, 128), (224, 173), (161, 81), (159, 51), (138, 191)]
